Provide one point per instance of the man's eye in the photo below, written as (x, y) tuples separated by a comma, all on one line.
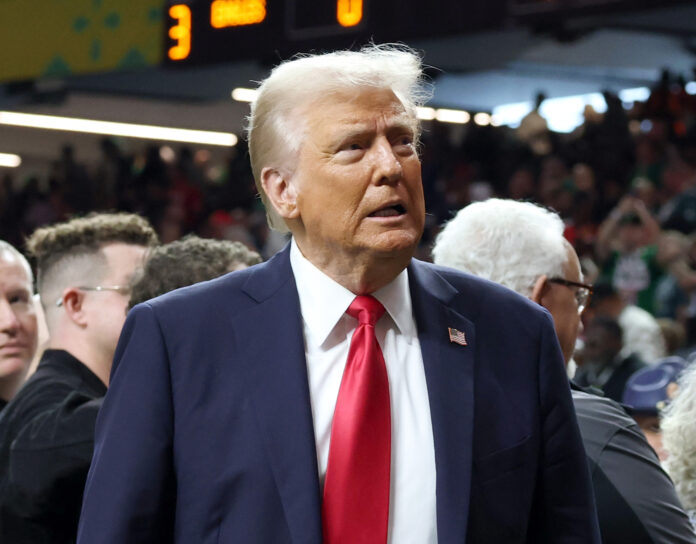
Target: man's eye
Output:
[(18, 299), (404, 145), (403, 141)]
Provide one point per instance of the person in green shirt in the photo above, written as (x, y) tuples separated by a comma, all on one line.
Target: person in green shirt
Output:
[(627, 252)]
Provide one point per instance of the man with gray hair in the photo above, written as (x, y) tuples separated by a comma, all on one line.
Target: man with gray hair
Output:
[(18, 322), (47, 431), (338, 393), (521, 246)]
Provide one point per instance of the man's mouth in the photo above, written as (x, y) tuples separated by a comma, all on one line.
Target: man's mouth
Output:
[(389, 211)]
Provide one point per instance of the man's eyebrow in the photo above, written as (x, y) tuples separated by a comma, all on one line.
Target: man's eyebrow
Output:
[(19, 290), (355, 129)]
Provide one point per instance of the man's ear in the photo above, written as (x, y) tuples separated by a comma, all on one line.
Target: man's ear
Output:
[(281, 192), (73, 305), (539, 289)]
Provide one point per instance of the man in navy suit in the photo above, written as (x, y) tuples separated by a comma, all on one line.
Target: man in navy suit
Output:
[(239, 409)]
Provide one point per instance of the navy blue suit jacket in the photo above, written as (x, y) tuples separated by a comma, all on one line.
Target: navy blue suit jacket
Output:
[(206, 432)]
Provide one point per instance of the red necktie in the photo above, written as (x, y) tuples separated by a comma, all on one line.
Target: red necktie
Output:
[(355, 509)]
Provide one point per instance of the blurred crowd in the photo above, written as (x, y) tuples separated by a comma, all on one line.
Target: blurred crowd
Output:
[(623, 184)]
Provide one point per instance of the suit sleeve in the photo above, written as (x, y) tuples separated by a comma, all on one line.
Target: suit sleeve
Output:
[(130, 493), (637, 495), (565, 503)]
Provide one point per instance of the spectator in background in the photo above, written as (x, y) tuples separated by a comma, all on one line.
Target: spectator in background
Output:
[(640, 331), (679, 439), (648, 392), (72, 177), (679, 212), (674, 334), (671, 299), (188, 261), (683, 268), (534, 130), (627, 252), (521, 245), (601, 363), (18, 323), (46, 432)]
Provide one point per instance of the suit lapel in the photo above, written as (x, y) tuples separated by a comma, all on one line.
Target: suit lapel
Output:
[(449, 372), (277, 378)]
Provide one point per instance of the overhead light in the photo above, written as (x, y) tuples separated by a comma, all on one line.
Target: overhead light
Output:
[(690, 87), (242, 94), (562, 114), (452, 116), (425, 113), (482, 119), (110, 128), (566, 113), (637, 94), (511, 114), (10, 160)]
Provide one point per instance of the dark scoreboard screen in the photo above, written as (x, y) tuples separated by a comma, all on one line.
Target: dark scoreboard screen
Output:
[(208, 31), (522, 10)]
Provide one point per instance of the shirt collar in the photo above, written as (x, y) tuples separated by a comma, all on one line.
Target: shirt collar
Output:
[(323, 301)]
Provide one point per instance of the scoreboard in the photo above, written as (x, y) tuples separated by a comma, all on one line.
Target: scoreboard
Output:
[(59, 38), (204, 31), (219, 30)]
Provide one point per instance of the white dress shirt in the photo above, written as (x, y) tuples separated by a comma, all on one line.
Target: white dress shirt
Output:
[(327, 333)]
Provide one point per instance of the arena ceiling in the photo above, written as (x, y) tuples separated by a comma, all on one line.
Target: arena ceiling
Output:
[(475, 72)]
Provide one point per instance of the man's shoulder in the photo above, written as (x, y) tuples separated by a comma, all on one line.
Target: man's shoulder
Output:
[(479, 295), (236, 289), (601, 410), (43, 391), (600, 419)]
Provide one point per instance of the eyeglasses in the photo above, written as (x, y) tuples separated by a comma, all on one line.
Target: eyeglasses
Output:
[(582, 293), (118, 288)]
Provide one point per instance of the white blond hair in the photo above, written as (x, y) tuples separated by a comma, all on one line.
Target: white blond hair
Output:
[(678, 428), (275, 129), (505, 241)]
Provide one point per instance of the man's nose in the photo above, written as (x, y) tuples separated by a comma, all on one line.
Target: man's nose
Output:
[(388, 167), (8, 319)]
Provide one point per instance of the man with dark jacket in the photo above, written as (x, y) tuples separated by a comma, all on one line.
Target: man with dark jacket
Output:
[(47, 431), (521, 245)]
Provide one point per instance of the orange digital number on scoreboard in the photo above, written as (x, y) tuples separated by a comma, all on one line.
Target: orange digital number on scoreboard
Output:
[(224, 13), (349, 12), (181, 32)]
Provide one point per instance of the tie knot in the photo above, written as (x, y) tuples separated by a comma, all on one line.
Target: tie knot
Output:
[(366, 309)]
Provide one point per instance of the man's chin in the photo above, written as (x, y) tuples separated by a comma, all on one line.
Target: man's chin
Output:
[(397, 243), (13, 365)]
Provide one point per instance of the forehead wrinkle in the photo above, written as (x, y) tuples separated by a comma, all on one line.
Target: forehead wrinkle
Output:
[(353, 127)]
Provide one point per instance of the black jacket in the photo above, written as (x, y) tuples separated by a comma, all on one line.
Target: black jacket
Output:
[(46, 444), (636, 500)]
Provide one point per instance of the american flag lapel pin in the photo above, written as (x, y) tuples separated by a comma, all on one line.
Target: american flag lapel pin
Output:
[(458, 337)]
